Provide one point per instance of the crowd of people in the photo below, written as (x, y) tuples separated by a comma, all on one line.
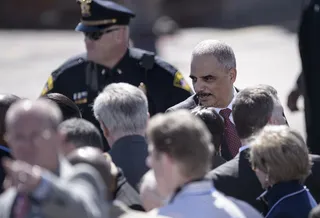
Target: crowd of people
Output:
[(118, 132)]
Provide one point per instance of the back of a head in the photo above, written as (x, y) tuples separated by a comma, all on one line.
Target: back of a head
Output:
[(282, 152), (42, 109), (95, 158), (6, 100), (183, 137), (68, 108), (213, 122), (122, 108), (81, 133), (251, 110), (218, 49)]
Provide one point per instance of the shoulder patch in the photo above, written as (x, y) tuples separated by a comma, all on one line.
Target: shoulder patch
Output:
[(48, 86), (180, 82)]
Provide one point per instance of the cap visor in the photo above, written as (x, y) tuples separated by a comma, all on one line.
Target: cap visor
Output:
[(83, 28)]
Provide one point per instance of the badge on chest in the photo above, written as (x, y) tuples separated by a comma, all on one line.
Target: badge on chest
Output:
[(80, 97)]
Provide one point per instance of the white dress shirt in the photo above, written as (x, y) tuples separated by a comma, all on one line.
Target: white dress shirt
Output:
[(229, 106)]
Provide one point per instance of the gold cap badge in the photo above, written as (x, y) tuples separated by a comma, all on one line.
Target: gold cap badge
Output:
[(85, 7)]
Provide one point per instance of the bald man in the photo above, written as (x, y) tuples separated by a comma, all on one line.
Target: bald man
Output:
[(213, 73), (118, 187), (36, 189)]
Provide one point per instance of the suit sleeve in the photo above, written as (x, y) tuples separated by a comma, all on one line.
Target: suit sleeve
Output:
[(179, 91), (81, 196)]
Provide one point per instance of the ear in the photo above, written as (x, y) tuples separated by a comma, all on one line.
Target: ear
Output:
[(105, 130), (233, 75)]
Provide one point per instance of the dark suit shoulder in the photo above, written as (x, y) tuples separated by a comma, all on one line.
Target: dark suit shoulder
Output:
[(228, 169), (189, 104)]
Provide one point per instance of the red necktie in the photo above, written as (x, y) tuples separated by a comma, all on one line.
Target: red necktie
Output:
[(21, 207), (230, 133)]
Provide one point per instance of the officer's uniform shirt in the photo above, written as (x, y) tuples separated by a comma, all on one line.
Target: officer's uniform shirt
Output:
[(82, 80)]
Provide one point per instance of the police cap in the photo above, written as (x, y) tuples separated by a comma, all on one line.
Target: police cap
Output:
[(100, 14)]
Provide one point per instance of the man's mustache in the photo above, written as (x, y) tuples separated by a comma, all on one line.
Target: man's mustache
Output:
[(203, 94)]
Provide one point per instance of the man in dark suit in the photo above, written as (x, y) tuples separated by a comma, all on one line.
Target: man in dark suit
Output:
[(42, 182), (122, 110), (252, 109), (213, 73)]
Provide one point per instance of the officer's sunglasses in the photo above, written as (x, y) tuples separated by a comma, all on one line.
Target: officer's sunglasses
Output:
[(97, 35)]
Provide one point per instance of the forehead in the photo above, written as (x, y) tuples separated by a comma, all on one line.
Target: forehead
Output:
[(202, 65)]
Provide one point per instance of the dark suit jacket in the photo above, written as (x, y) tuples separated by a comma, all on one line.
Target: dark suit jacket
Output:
[(313, 180), (189, 104), (126, 194), (237, 179), (130, 153)]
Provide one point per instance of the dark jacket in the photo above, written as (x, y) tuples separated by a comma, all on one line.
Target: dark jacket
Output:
[(126, 194), (289, 200), (130, 153), (237, 179)]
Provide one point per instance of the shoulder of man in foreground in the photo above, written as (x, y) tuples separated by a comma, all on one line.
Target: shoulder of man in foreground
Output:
[(82, 194)]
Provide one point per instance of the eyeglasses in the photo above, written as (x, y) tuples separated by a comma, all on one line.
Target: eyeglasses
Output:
[(98, 34)]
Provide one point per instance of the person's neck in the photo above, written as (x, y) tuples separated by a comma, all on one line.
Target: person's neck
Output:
[(114, 59), (115, 137)]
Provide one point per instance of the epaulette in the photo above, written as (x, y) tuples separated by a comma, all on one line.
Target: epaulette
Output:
[(70, 63), (146, 59)]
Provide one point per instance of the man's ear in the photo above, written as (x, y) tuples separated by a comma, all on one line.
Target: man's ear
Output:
[(233, 75), (105, 130)]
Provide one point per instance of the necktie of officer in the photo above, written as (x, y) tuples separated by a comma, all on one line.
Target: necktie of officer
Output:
[(230, 133), (21, 206)]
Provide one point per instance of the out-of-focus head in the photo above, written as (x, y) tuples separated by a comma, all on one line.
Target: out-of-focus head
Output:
[(180, 149), (6, 100), (213, 73), (68, 108), (98, 160), (32, 132), (79, 133)]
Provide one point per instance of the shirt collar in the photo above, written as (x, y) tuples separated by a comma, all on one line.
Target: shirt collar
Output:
[(5, 149), (244, 147)]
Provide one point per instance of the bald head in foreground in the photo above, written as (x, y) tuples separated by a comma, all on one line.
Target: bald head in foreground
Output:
[(40, 173)]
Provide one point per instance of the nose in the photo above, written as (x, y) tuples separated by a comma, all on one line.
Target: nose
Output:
[(198, 86)]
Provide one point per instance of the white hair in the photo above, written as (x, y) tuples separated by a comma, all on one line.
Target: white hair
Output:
[(122, 108), (220, 50)]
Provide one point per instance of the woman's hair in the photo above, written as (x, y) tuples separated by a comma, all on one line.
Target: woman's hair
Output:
[(281, 153)]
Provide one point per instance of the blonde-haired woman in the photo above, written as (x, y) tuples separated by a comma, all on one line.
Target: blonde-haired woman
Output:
[(280, 159)]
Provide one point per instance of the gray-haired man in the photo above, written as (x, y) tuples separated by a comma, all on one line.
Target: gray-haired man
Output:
[(122, 110)]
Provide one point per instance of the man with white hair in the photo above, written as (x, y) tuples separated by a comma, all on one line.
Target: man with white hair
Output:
[(122, 111), (43, 183), (213, 73)]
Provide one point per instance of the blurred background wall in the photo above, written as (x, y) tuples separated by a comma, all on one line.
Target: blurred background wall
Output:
[(64, 14)]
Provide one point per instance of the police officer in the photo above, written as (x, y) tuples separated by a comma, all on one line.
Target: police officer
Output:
[(308, 81), (109, 59)]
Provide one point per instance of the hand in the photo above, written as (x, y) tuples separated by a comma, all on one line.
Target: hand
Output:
[(23, 176), (293, 99)]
